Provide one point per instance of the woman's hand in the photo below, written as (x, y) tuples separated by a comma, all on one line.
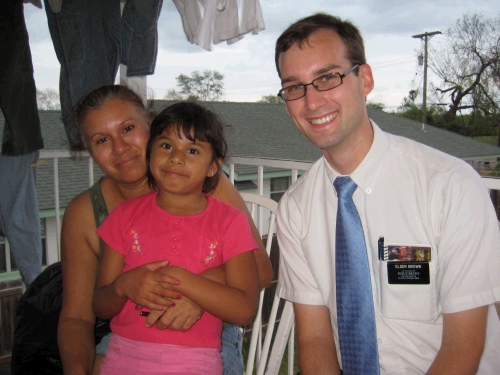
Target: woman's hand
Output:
[(181, 316), (145, 286)]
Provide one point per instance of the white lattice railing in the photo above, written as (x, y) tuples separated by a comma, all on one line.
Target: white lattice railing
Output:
[(292, 167)]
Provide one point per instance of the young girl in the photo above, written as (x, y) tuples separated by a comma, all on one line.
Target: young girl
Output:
[(179, 225)]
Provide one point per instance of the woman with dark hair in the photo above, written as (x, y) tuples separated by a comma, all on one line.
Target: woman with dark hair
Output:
[(179, 223)]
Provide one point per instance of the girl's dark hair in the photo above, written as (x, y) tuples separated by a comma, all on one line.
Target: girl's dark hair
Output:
[(197, 123), (300, 31), (96, 98)]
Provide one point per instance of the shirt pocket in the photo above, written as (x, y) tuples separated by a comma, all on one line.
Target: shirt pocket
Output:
[(413, 302)]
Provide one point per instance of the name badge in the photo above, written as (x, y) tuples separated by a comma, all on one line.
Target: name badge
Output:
[(408, 272)]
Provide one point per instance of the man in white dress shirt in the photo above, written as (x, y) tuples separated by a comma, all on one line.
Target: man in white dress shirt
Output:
[(443, 320)]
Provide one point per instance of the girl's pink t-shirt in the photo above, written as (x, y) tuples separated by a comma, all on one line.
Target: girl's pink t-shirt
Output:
[(143, 232)]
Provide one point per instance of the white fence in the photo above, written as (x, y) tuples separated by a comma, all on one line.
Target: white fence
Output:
[(260, 165)]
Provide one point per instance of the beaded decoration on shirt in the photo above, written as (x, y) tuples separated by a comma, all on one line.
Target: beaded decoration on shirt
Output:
[(136, 246), (211, 255)]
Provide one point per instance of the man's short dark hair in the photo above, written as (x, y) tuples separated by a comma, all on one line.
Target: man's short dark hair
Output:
[(301, 30)]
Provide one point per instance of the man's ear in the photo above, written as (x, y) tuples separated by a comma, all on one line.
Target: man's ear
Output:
[(366, 79)]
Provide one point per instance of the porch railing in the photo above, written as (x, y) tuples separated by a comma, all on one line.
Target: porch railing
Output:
[(261, 165)]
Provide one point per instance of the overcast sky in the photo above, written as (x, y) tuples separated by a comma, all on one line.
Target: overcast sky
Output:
[(248, 67)]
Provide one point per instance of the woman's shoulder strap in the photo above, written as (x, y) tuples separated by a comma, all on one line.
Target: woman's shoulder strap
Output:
[(98, 203), (100, 209)]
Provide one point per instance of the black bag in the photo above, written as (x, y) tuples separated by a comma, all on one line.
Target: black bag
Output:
[(35, 349)]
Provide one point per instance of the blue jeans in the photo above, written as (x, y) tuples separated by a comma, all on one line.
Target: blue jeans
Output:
[(90, 39), (232, 339), (140, 36), (102, 347), (19, 218)]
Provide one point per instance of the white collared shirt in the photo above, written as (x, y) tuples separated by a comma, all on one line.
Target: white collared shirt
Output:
[(409, 194)]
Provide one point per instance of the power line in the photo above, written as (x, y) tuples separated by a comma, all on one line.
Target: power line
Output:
[(387, 64)]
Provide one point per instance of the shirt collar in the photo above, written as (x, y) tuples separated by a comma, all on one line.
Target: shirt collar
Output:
[(366, 174)]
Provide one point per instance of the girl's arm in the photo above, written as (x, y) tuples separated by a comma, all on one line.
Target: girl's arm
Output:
[(107, 301), (236, 301), (140, 285)]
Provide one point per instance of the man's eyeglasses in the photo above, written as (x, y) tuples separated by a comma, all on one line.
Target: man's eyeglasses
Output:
[(323, 83)]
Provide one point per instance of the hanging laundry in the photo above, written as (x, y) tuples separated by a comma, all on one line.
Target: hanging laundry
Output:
[(21, 141), (220, 20), (91, 38)]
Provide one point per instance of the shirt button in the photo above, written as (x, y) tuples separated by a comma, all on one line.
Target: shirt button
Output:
[(368, 191), (176, 225), (174, 237), (379, 341), (174, 248)]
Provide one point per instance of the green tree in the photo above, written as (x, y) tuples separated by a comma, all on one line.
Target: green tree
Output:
[(380, 106), (205, 86), (48, 99), (496, 118), (173, 95), (408, 108), (273, 99), (468, 67), (412, 111)]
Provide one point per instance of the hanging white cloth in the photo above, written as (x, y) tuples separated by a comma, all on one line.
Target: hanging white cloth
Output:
[(220, 20)]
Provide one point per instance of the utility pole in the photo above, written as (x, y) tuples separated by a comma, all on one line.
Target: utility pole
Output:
[(426, 37)]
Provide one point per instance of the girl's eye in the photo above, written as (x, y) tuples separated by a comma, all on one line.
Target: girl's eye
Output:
[(165, 146), (193, 151)]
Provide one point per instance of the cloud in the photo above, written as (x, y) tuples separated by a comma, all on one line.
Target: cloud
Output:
[(387, 27)]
